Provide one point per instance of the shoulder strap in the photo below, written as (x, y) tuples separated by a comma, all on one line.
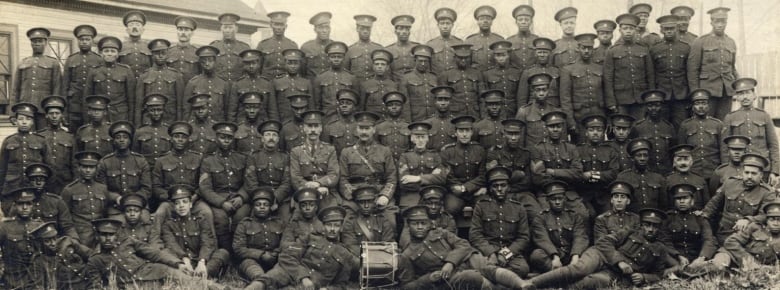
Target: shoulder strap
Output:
[(364, 228)]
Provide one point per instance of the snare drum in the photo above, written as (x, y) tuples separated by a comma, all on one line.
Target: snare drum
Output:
[(379, 262)]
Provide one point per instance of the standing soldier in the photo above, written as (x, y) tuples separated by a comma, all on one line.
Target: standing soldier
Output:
[(291, 83), (60, 144), (712, 64), (160, 79), (522, 54), (621, 130), (650, 189), (19, 150), (565, 51), (704, 133), (227, 62), (341, 131), (74, 78), (37, 76), (513, 155), (257, 240), (542, 48), (628, 69), (248, 139), (658, 131), (566, 230), (418, 167), (684, 15), (402, 50), (736, 145), (203, 138), (480, 41), (643, 36), (359, 58), (488, 129), (582, 83), (124, 171), (599, 164), (754, 123), (443, 55), (682, 156), (464, 163), (181, 165), (669, 58), (208, 82), (17, 242), (531, 113), (48, 206), (393, 131), (314, 164), (503, 76), (605, 30), (335, 78), (86, 198), (181, 56), (272, 47), (94, 135), (373, 89), (466, 81), (617, 218), (270, 167), (113, 80), (152, 140), (442, 131), (291, 134), (135, 53), (317, 60), (252, 81), (416, 85)]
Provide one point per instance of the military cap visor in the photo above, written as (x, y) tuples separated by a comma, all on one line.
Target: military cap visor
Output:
[(627, 19), (25, 109), (417, 213), (293, 54), (744, 84), (682, 189), (37, 169), (513, 125), (565, 13), (484, 10), (419, 128), (155, 100), (652, 215), (226, 128), (621, 187), (121, 127), (682, 150), (207, 50), (133, 199), (605, 25), (621, 120), (737, 141), (492, 96), (720, 12), (462, 50), (463, 122), (347, 94), (501, 46), (523, 10), (498, 173), (366, 193), (640, 8), (594, 121), (180, 191), (554, 117), (382, 54), (586, 39), (555, 187), (313, 117), (84, 29), (443, 91), (181, 128), (299, 101), (320, 18), (638, 144), (159, 44), (668, 20), (653, 96), (199, 100), (109, 42), (278, 16), (107, 225), (333, 213), (228, 18), (366, 118), (402, 20), (336, 47), (53, 102), (684, 11), (394, 96), (445, 13), (432, 191), (184, 21), (306, 194), (422, 50), (97, 102), (364, 20), (544, 43), (751, 159), (264, 192), (250, 55), (251, 98), (45, 230), (88, 158), (134, 15), (700, 94), (771, 209)]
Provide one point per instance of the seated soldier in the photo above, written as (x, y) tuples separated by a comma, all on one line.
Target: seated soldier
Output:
[(432, 197), (15, 241), (304, 219), (47, 206), (634, 255), (565, 228), (688, 234), (370, 225), (618, 218), (649, 189), (190, 238), (682, 164), (418, 167), (258, 236), (755, 244), (60, 264), (86, 198), (315, 261), (499, 227), (135, 227)]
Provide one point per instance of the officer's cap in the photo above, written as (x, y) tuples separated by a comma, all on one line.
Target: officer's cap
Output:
[(393, 96), (320, 18), (46, 230), (251, 98), (306, 194), (736, 141), (250, 54), (682, 189), (621, 187), (554, 117), (333, 213), (525, 10), (37, 169), (109, 42), (744, 84), (652, 215), (133, 199), (88, 157), (555, 187), (417, 213), (134, 15), (53, 102), (586, 39), (422, 50), (155, 99), (24, 194), (180, 191), (485, 10), (347, 94), (513, 125), (500, 46), (640, 8), (719, 13), (186, 21), (107, 225), (443, 92), (627, 19), (605, 25), (270, 125), (465, 121), (700, 94), (668, 21), (462, 50), (366, 193), (180, 127), (753, 159), (432, 191), (565, 13), (402, 20), (299, 100), (97, 102), (683, 11), (228, 18), (419, 128), (264, 192), (293, 53), (493, 96), (651, 96), (772, 209), (121, 126), (158, 44), (638, 144), (544, 43), (227, 128), (498, 173), (382, 54), (84, 29), (366, 118), (594, 120), (622, 120), (207, 50), (336, 47), (445, 13), (278, 16), (364, 20), (199, 100), (541, 78), (313, 117), (682, 150)]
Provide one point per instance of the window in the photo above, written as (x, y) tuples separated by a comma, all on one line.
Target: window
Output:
[(8, 58), (60, 48)]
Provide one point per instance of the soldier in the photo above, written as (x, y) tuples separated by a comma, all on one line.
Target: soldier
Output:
[(432, 196), (248, 139), (252, 82), (221, 182), (636, 255), (712, 64), (135, 53), (270, 166), (374, 89), (328, 84), (617, 218), (464, 163), (754, 123), (704, 133), (488, 130), (565, 51), (209, 83), (628, 69), (257, 239), (740, 197), (341, 131), (499, 227), (203, 137), (688, 234), (290, 84), (599, 164), (736, 145), (132, 262), (512, 154), (135, 227), (442, 131), (656, 129), (317, 59), (314, 164), (181, 55), (190, 237), (402, 49), (643, 36), (669, 58), (531, 113), (525, 94), (503, 76), (418, 167), (124, 171), (565, 228), (480, 41), (466, 81), (19, 150), (393, 131), (74, 77), (227, 62), (443, 54), (48, 206), (650, 189), (37, 76), (17, 241), (86, 198), (684, 15), (114, 80), (417, 84), (60, 264), (605, 30), (682, 156), (755, 244), (304, 220), (291, 133), (582, 83), (160, 79), (272, 47), (359, 57), (152, 140), (60, 143), (369, 225), (522, 54), (621, 129), (94, 135)]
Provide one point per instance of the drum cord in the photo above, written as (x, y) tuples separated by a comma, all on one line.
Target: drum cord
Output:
[(448, 284)]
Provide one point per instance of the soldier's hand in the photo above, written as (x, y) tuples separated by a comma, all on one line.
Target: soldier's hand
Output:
[(683, 260), (446, 270), (268, 258), (435, 276), (187, 266), (406, 179), (307, 284), (698, 213), (311, 184), (492, 259), (741, 225), (382, 201), (323, 190), (574, 259), (625, 268), (637, 279), (200, 269), (774, 179), (183, 267), (556, 262), (501, 260), (588, 175), (518, 174), (227, 206), (481, 191)]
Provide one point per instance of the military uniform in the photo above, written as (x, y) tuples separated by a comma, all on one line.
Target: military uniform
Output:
[(91, 137), (628, 71), (247, 84), (19, 150), (565, 51), (287, 86), (553, 95), (192, 237), (561, 156), (705, 135), (393, 133), (600, 52), (272, 47), (425, 163), (152, 142), (37, 76), (669, 63), (117, 82), (255, 238), (47, 206), (755, 243), (467, 82), (358, 59), (690, 235), (649, 188), (567, 230), (60, 149), (712, 66), (182, 56), (661, 134), (612, 222), (372, 227), (757, 125), (506, 79), (87, 200), (738, 202), (175, 168), (442, 131), (602, 159), (465, 167), (136, 55), (489, 132), (291, 135), (203, 139), (480, 46), (416, 86), (700, 196), (403, 59), (369, 164), (522, 55), (623, 158), (74, 78), (443, 55), (582, 83), (18, 252), (124, 172), (160, 80), (248, 140), (269, 168), (316, 55), (316, 162), (228, 64), (372, 91), (501, 224), (58, 270), (214, 86), (341, 132), (519, 161), (329, 83)]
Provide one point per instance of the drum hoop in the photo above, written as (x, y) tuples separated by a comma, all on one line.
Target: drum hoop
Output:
[(388, 247)]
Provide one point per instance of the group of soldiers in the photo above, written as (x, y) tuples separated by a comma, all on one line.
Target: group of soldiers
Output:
[(485, 159)]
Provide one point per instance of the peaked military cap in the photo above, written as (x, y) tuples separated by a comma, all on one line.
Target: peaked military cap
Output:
[(622, 120), (485, 10), (594, 120), (133, 199), (638, 144), (621, 187), (24, 194), (53, 101), (737, 141), (719, 13), (251, 98), (540, 78), (228, 18), (683, 11), (264, 192), (544, 43), (682, 150), (772, 209), (501, 46), (445, 13), (227, 128), (627, 19), (109, 42), (394, 96), (366, 118), (293, 53), (158, 44), (422, 50), (186, 21), (652, 215), (744, 84), (402, 20), (555, 187), (682, 189), (180, 191), (347, 94), (462, 50), (586, 39), (313, 117), (366, 193), (299, 100), (97, 102), (333, 213), (180, 127), (306, 194), (84, 29), (88, 157), (755, 160), (250, 54), (270, 125), (700, 94), (45, 230), (525, 10), (155, 100), (565, 13), (278, 16), (417, 213), (554, 117), (364, 20), (493, 96), (320, 18), (513, 125), (24, 108), (336, 47), (442, 91), (432, 191), (650, 96), (498, 173), (134, 15), (37, 169), (605, 25), (464, 121), (199, 100), (207, 50), (419, 128), (107, 225), (640, 8), (668, 20), (121, 126), (382, 54)]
